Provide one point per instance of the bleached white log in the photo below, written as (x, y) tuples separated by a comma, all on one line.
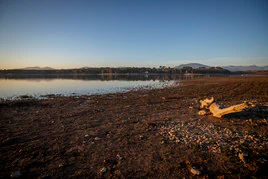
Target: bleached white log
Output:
[(206, 102), (218, 112)]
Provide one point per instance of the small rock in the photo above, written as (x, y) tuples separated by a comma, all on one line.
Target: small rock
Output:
[(242, 141), (103, 170), (86, 135), (195, 172), (202, 112), (242, 157), (264, 160), (15, 174), (61, 165), (97, 138), (119, 157)]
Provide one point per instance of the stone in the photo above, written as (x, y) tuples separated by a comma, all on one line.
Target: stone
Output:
[(97, 138), (103, 170), (15, 174), (195, 172), (242, 157), (202, 112), (119, 157)]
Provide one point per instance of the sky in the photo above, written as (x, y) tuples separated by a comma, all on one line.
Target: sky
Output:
[(142, 33)]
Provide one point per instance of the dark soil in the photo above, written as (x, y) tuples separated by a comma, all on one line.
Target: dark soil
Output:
[(79, 136)]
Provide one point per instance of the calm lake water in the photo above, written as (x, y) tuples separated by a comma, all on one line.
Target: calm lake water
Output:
[(38, 86)]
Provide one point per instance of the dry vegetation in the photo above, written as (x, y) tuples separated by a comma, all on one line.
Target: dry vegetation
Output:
[(151, 133)]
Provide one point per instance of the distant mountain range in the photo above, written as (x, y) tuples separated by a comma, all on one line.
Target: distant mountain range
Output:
[(37, 68), (193, 65), (229, 67), (85, 67), (245, 68)]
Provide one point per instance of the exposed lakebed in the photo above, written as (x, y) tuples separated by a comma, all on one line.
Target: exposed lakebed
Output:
[(147, 133)]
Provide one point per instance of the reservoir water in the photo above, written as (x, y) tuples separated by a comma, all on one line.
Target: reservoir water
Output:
[(38, 86)]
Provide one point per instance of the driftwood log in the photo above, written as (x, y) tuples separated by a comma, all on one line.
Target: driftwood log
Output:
[(206, 102), (219, 111)]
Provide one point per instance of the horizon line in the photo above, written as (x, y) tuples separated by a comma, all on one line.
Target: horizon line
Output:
[(52, 68)]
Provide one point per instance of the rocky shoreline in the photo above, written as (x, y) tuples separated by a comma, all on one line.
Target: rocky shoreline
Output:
[(145, 133)]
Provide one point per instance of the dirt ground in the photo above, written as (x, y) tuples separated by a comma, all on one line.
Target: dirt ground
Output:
[(147, 133)]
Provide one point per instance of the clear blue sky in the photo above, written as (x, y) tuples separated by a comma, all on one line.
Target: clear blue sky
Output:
[(67, 34)]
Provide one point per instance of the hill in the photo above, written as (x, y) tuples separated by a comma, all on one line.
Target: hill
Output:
[(228, 67), (37, 68), (193, 65), (245, 68)]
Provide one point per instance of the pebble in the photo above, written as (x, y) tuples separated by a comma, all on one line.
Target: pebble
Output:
[(202, 112), (119, 157), (211, 137), (195, 172), (97, 138), (15, 174), (103, 170), (242, 157)]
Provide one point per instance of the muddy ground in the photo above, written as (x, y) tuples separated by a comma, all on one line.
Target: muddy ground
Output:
[(148, 133)]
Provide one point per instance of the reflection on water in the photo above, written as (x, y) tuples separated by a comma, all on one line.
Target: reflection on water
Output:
[(36, 85)]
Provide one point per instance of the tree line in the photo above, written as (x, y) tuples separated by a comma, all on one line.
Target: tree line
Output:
[(122, 70)]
